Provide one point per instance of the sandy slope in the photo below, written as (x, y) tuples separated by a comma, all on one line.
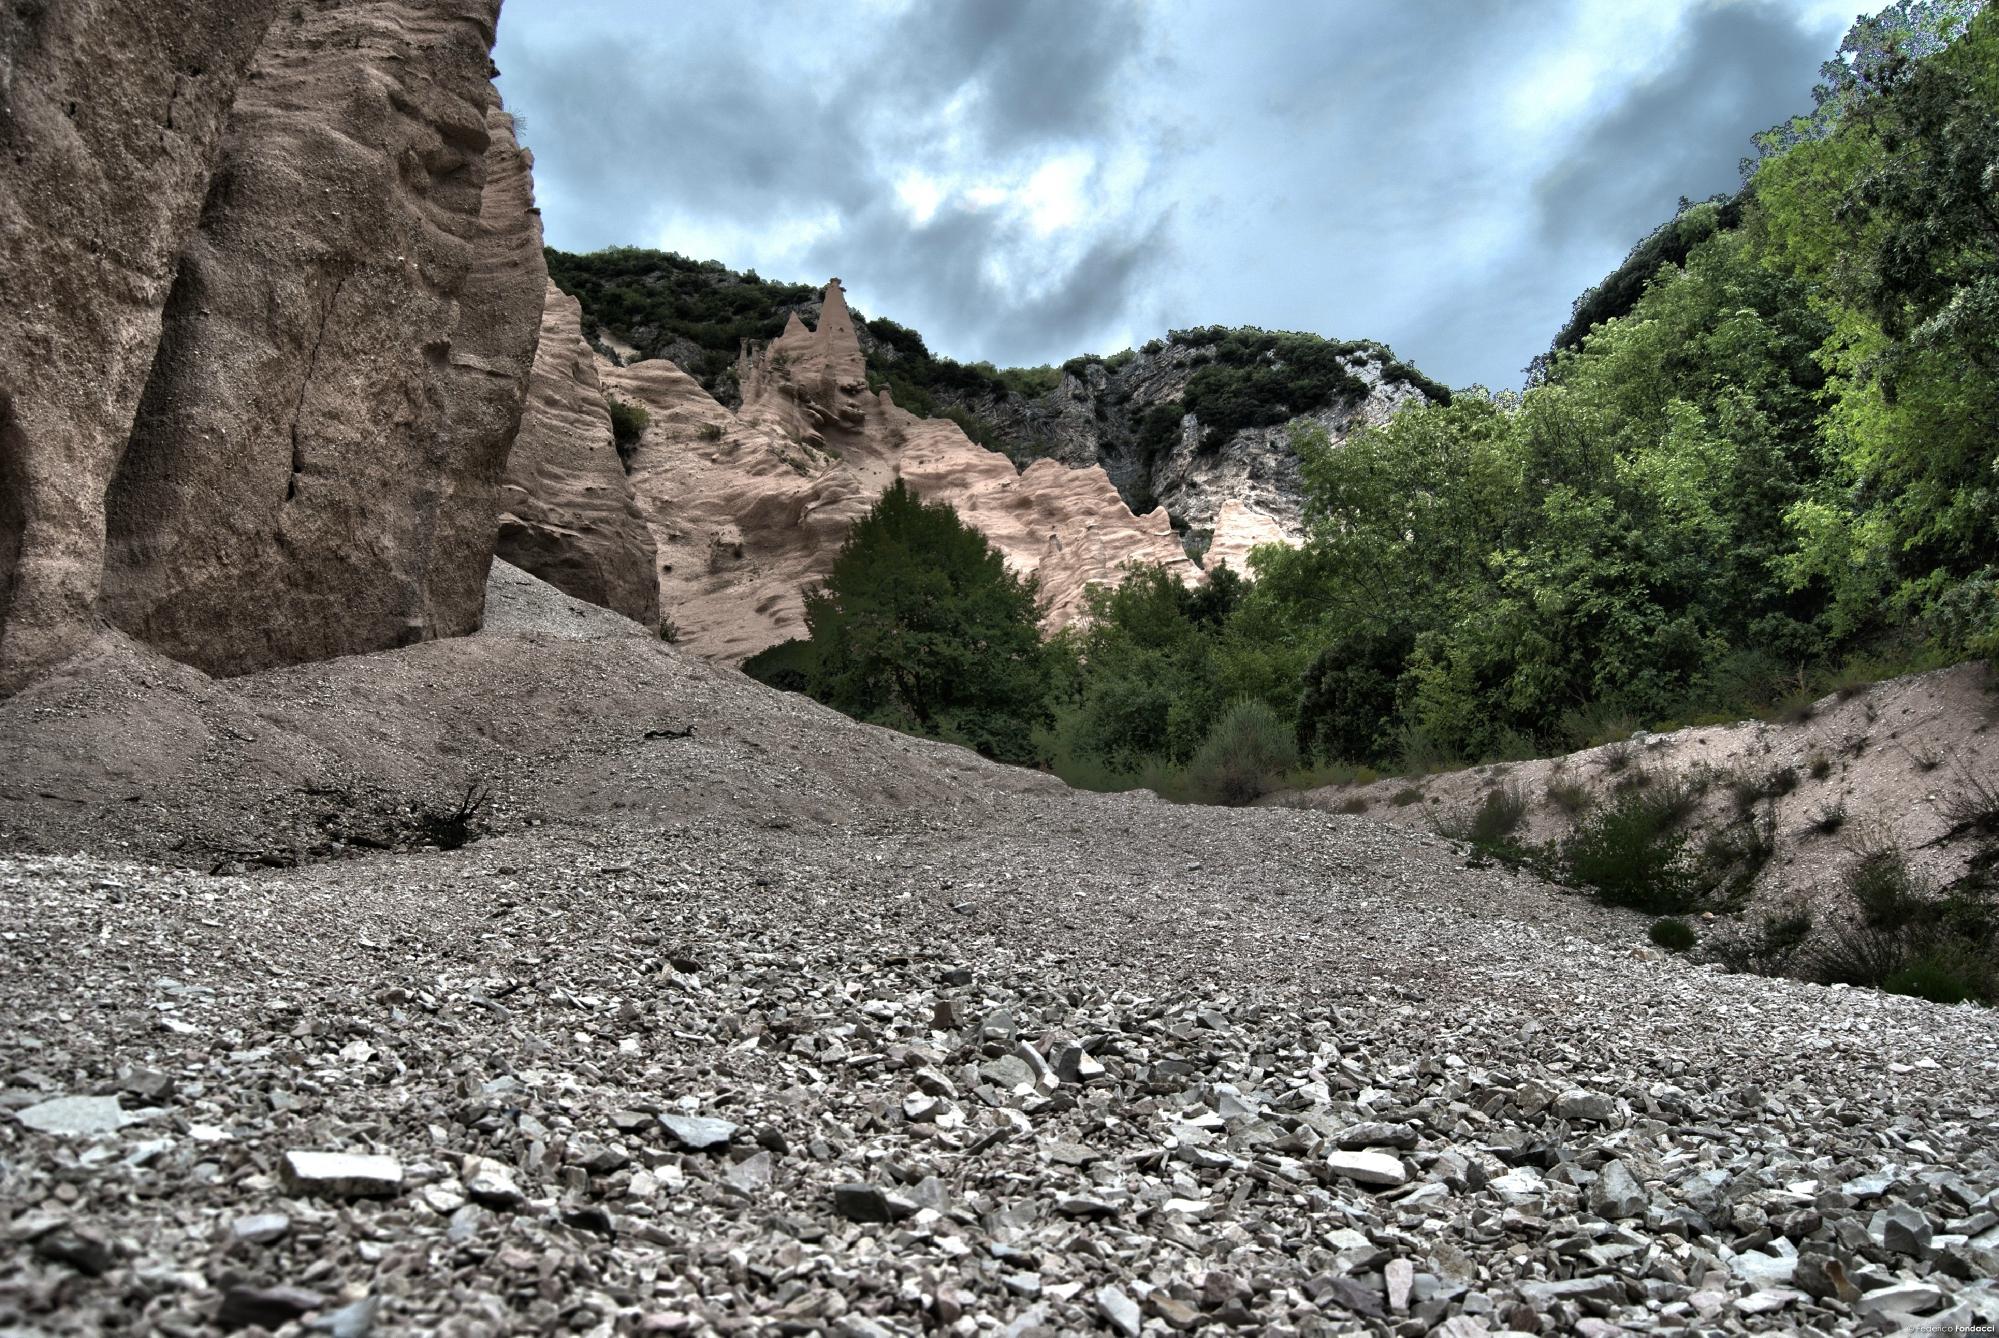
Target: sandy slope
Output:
[(1883, 766)]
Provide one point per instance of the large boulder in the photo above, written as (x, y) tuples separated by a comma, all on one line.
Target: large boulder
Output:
[(111, 115), (315, 465), (567, 513)]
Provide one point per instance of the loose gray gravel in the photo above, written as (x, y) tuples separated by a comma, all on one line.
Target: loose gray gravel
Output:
[(984, 1057)]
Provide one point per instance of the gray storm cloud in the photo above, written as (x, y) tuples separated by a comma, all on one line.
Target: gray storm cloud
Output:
[(1340, 168)]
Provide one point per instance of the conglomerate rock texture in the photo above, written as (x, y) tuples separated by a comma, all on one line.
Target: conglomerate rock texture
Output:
[(567, 512), (726, 1014), (110, 118), (748, 508), (315, 466)]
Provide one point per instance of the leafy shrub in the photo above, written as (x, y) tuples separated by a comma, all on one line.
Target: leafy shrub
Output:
[(1947, 973), (1752, 790), (1674, 935), (1243, 757), (1732, 857), (1618, 292), (1859, 955), (1631, 855), (1886, 890), (1571, 797), (1910, 938), (1346, 710), (788, 666), (1490, 827), (628, 424), (1781, 934), (1260, 378), (1972, 806), (920, 626), (1406, 796), (1158, 429)]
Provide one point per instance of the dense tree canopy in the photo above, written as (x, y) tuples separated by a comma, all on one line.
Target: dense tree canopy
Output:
[(921, 626), (1765, 448)]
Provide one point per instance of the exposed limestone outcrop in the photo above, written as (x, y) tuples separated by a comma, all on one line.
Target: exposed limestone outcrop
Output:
[(1240, 526), (567, 513), (1099, 411), (315, 465), (1232, 494), (748, 508), (110, 120)]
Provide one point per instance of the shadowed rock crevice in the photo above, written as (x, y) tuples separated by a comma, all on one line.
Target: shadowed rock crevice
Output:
[(567, 513)]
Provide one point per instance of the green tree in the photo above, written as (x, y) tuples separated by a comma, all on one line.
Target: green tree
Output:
[(919, 625), (1894, 221)]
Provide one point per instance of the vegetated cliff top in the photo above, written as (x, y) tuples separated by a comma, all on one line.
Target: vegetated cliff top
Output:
[(697, 313)]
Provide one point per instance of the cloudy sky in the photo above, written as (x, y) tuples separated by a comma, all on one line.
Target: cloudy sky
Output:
[(1027, 180)]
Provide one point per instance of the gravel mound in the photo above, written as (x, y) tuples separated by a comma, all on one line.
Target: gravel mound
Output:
[(788, 1025)]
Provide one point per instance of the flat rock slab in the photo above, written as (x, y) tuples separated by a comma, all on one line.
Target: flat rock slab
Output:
[(341, 1175), (76, 1115), (1369, 1168), (698, 1133), (267, 1307)]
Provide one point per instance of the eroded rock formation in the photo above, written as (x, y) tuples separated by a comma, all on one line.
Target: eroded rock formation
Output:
[(1231, 494), (749, 508), (110, 119), (315, 466), (567, 513)]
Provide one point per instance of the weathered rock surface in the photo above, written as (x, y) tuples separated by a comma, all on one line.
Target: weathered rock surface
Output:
[(793, 923), (346, 350), (749, 508), (1223, 496), (1240, 527), (110, 119), (567, 512), (1226, 496)]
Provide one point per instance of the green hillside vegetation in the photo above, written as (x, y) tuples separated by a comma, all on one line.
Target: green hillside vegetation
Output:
[(1773, 473), (654, 300), (1770, 473), (699, 313)]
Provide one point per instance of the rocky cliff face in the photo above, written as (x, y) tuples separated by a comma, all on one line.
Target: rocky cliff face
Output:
[(1224, 496), (567, 512), (747, 508), (1212, 446), (110, 119), (315, 465)]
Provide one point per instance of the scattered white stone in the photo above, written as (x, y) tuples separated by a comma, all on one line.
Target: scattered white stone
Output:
[(1368, 1168), (341, 1175)]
